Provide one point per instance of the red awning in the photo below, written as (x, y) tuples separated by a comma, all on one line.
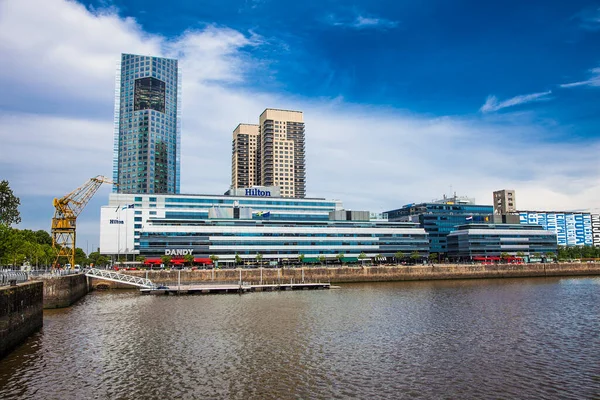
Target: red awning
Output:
[(149, 261), (203, 260)]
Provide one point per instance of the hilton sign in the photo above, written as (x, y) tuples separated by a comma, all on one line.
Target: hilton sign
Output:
[(258, 193), (178, 252)]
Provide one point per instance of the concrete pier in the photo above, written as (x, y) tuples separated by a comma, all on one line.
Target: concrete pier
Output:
[(63, 291), (21, 314)]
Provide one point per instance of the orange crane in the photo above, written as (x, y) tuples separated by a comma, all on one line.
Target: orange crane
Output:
[(66, 211)]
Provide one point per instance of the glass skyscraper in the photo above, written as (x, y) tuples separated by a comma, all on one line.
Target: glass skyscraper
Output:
[(147, 125)]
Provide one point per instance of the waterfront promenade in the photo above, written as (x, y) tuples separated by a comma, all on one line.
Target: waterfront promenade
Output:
[(346, 274)]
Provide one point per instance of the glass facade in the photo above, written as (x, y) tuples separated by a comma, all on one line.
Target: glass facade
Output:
[(277, 228), (491, 240), (147, 134), (439, 219)]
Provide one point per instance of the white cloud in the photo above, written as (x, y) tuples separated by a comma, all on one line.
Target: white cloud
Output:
[(369, 158), (361, 22), (492, 104), (594, 80)]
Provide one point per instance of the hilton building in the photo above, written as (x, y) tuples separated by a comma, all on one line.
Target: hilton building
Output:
[(271, 153), (147, 130), (247, 222)]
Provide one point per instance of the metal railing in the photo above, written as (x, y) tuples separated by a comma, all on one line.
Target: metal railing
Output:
[(46, 273), (17, 276), (113, 276)]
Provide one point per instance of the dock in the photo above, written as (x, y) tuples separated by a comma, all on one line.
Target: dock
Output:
[(233, 288)]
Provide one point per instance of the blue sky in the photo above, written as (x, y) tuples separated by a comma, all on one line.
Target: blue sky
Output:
[(436, 57), (404, 101)]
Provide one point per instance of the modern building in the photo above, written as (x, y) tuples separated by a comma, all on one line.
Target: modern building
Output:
[(571, 228), (492, 240), (249, 222), (245, 171), (271, 153), (147, 147), (505, 202), (440, 217), (595, 229)]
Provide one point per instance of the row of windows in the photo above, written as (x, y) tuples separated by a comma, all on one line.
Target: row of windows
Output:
[(285, 234)]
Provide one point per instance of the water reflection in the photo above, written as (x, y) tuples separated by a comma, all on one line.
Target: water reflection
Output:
[(514, 338)]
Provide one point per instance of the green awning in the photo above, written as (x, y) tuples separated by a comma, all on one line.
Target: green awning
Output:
[(350, 259), (311, 260)]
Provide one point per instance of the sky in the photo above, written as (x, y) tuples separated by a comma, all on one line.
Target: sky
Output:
[(403, 101)]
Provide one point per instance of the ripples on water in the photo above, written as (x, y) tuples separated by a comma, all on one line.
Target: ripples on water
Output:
[(504, 339)]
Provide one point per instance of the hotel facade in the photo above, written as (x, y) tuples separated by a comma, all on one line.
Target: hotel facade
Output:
[(249, 222), (271, 153)]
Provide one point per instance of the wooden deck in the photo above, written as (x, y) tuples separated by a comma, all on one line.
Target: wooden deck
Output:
[(234, 288)]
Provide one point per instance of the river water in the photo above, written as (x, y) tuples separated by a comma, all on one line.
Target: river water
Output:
[(476, 339)]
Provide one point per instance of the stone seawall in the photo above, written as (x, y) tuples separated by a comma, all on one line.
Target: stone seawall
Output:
[(360, 274), (21, 314), (63, 291)]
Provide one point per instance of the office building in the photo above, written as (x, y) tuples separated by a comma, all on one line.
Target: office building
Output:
[(245, 156), (440, 217), (147, 125), (571, 228), (492, 240), (248, 222), (505, 202)]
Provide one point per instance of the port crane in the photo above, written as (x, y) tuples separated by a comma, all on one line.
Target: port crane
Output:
[(66, 211)]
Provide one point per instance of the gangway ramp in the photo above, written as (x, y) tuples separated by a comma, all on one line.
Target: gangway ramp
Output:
[(113, 276)]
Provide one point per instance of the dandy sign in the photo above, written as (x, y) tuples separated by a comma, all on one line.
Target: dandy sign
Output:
[(178, 252), (258, 192)]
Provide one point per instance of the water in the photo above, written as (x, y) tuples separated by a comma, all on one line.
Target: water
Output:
[(503, 339)]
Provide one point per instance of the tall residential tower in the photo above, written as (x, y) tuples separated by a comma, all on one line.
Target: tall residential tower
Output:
[(279, 159), (147, 125), (245, 157)]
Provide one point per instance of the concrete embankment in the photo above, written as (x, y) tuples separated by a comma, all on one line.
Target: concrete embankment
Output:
[(63, 291), (21, 314), (360, 274)]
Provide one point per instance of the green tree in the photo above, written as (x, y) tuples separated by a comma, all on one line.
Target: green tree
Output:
[(259, 258), (415, 256), (537, 255), (504, 256), (550, 255), (433, 257), (214, 258), (399, 256), (80, 257), (322, 259), (340, 257), (362, 257), (238, 259), (166, 260), (9, 205), (301, 258), (43, 237), (189, 259)]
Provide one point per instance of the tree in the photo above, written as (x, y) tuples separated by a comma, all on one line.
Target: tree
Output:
[(550, 255), (166, 260), (520, 254), (301, 258), (322, 259), (9, 205), (214, 258), (504, 256), (433, 257), (537, 255), (238, 259), (259, 258), (80, 257), (189, 259), (415, 256), (340, 257), (362, 257), (399, 256)]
